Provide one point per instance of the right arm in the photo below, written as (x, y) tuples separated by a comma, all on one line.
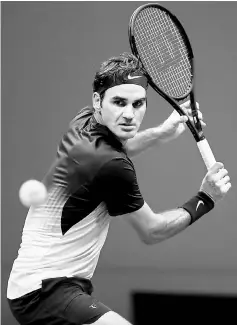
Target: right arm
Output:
[(153, 228), (116, 183)]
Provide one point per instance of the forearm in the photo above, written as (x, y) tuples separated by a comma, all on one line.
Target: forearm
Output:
[(172, 223), (142, 141)]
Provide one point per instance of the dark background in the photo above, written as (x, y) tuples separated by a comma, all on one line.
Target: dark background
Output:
[(50, 52), (205, 309)]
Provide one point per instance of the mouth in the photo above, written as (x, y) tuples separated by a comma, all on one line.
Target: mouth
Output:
[(127, 127), (127, 124)]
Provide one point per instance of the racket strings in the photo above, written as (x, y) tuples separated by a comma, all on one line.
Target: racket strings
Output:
[(163, 51)]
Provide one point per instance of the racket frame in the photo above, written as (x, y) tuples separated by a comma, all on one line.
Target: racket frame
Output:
[(197, 130)]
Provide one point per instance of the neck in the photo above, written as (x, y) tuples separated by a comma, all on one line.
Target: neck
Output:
[(99, 120)]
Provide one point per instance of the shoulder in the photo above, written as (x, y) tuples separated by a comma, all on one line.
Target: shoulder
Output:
[(117, 185), (82, 116), (117, 170), (71, 138)]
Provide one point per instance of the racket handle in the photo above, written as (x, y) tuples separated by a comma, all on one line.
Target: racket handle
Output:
[(206, 153)]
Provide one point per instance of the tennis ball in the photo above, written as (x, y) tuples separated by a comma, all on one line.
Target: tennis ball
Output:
[(32, 192)]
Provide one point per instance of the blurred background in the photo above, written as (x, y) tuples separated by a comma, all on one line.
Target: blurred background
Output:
[(50, 52)]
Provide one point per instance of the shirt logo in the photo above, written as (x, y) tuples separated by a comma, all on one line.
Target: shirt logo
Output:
[(199, 202), (133, 77), (93, 306)]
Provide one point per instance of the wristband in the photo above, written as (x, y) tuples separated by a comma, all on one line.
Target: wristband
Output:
[(199, 205)]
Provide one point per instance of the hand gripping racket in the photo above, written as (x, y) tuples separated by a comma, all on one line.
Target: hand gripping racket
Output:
[(160, 42)]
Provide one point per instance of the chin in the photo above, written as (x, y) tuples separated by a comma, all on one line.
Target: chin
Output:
[(126, 135)]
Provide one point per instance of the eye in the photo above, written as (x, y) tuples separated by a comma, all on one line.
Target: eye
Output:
[(119, 102), (138, 103)]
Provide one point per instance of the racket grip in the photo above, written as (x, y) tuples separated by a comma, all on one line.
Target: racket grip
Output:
[(206, 153)]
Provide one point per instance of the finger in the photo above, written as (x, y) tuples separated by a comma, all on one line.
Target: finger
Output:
[(183, 119), (200, 115), (203, 123), (222, 172), (185, 104), (223, 181), (225, 188), (189, 111), (179, 119), (219, 175), (215, 168)]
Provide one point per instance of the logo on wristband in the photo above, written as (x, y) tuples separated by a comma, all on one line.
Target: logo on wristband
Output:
[(199, 202)]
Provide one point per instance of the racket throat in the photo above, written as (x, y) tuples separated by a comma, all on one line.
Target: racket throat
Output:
[(197, 125)]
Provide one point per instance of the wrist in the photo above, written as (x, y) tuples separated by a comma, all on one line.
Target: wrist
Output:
[(156, 132), (160, 135), (199, 205), (209, 195)]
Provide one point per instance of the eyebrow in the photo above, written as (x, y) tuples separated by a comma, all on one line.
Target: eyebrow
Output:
[(125, 99)]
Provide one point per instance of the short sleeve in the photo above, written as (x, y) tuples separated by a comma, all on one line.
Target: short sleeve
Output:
[(117, 186)]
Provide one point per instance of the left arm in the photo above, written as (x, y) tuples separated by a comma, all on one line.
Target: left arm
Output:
[(169, 130), (142, 141)]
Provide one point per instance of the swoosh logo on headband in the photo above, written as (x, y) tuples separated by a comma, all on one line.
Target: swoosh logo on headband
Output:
[(133, 77)]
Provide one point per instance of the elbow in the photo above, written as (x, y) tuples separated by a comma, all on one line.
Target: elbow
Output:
[(147, 241), (146, 238), (155, 237), (152, 239)]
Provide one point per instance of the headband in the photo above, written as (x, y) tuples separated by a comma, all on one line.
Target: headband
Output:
[(132, 78)]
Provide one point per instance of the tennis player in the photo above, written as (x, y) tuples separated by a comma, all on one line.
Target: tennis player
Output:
[(92, 181)]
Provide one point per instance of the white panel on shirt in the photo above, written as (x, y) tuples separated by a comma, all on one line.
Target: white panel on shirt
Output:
[(46, 253)]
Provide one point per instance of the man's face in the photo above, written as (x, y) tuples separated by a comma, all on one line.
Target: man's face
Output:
[(123, 109)]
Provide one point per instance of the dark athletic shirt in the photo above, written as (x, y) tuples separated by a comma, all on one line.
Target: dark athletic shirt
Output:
[(90, 181)]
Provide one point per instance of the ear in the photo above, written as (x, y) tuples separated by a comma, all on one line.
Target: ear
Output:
[(96, 102)]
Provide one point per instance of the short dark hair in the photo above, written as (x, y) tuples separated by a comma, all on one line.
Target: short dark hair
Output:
[(116, 67)]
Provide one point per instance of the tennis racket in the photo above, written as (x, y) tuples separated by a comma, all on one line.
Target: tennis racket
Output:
[(160, 42)]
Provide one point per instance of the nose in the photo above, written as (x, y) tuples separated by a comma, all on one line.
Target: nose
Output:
[(128, 113)]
